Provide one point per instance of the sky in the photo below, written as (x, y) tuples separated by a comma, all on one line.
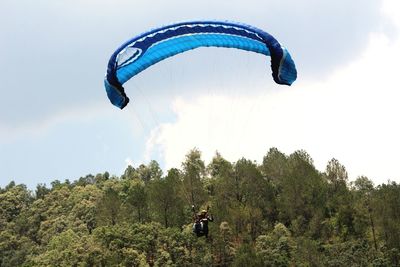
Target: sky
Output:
[(56, 121)]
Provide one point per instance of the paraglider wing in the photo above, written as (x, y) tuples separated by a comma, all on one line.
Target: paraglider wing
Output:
[(151, 47)]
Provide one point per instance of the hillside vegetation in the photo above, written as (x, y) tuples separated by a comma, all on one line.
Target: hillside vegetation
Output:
[(280, 212)]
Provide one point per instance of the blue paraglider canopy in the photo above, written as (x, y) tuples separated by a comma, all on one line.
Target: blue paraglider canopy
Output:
[(153, 46)]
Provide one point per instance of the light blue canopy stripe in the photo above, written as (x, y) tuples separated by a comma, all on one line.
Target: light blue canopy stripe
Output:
[(173, 46)]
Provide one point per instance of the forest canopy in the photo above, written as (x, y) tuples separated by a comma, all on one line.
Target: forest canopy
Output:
[(280, 212)]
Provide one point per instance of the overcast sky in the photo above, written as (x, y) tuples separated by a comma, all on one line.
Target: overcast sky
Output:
[(57, 123)]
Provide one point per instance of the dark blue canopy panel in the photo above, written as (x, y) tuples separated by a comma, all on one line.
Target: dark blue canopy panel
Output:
[(151, 47)]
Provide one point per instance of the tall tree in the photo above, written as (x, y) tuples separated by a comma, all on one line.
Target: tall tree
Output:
[(386, 207), (364, 189), (340, 199), (193, 175), (301, 194), (166, 203), (251, 192), (221, 174), (274, 166), (336, 175), (109, 206), (135, 199), (149, 172)]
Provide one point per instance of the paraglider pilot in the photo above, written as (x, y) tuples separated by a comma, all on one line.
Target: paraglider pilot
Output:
[(200, 225)]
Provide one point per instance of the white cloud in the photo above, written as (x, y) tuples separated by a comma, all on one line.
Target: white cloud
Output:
[(352, 116), (391, 9)]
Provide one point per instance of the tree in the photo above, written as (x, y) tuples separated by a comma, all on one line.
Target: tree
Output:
[(130, 173), (221, 173), (274, 166), (14, 200), (386, 209), (83, 201), (166, 204), (246, 256), (336, 175), (135, 199), (363, 190), (46, 217), (277, 247), (349, 253), (301, 193), (251, 192), (150, 172), (223, 245), (41, 191), (70, 249), (340, 199), (193, 175), (109, 205), (15, 249), (219, 167)]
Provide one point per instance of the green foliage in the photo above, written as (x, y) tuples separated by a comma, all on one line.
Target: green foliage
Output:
[(282, 212), (165, 202), (349, 253), (133, 196), (70, 249), (14, 200), (14, 249), (246, 256), (109, 206), (193, 175), (276, 248)]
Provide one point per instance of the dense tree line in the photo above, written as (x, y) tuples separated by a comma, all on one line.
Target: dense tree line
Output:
[(281, 212)]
